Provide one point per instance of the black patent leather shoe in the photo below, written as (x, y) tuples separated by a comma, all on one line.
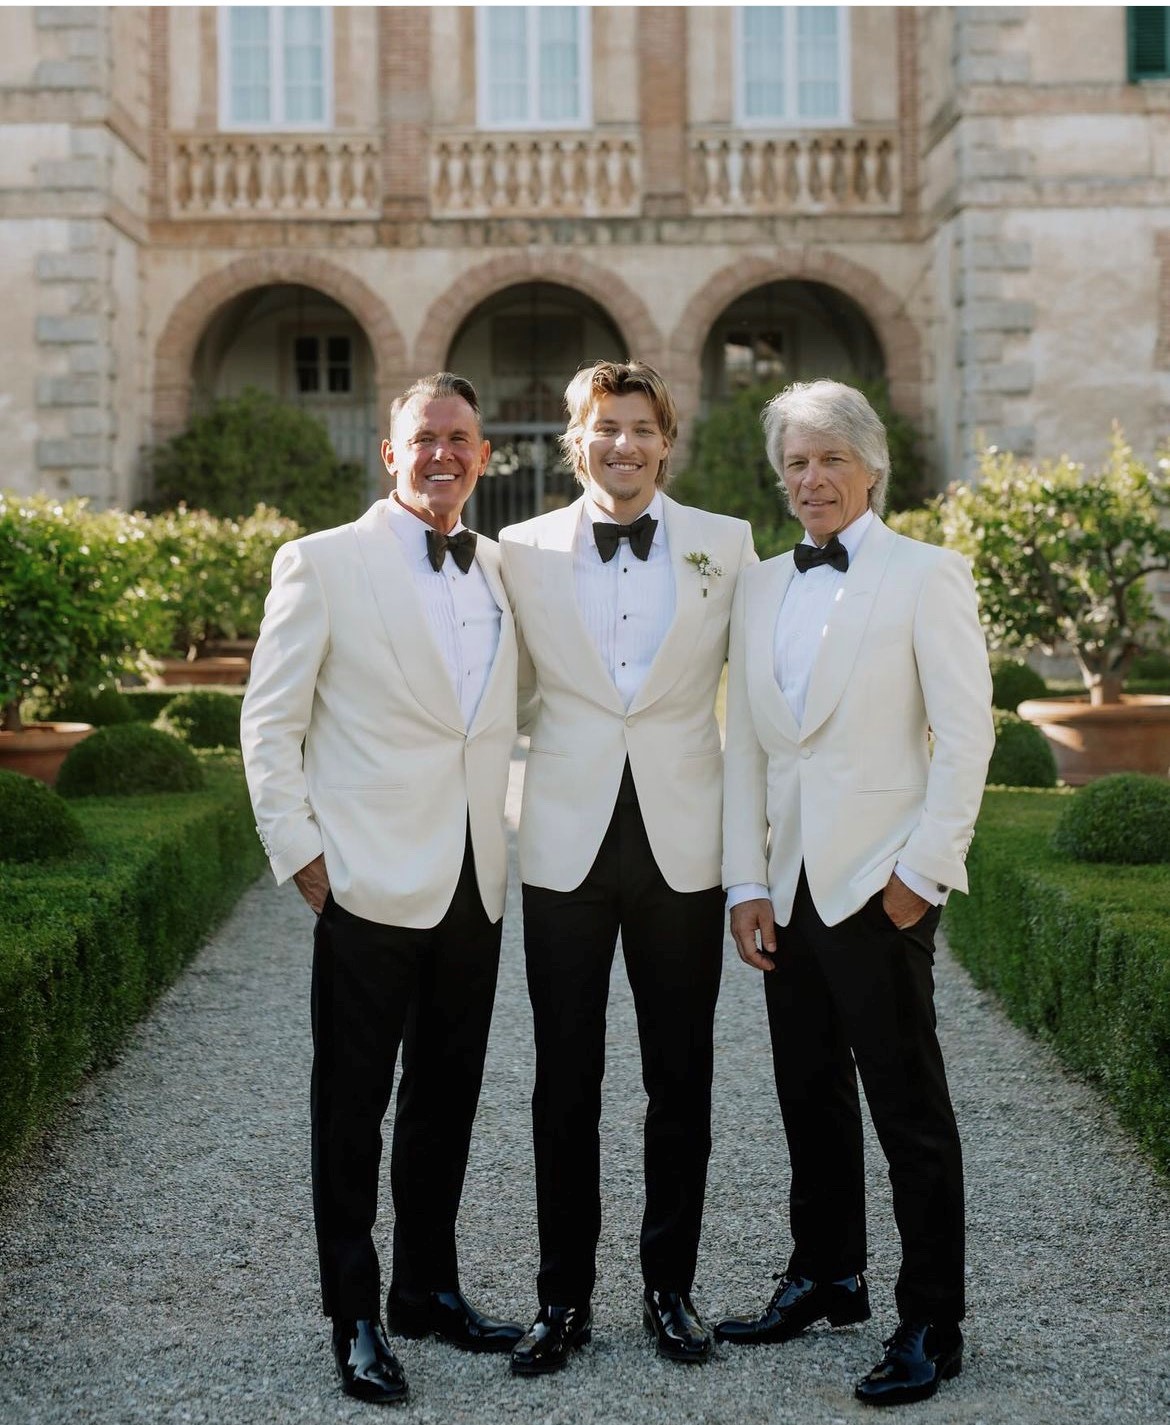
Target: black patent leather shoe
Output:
[(796, 1304), (918, 1358), (368, 1368), (546, 1345), (451, 1317), (680, 1333)]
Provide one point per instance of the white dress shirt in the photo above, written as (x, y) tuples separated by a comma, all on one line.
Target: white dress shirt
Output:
[(460, 609), (800, 625), (627, 604)]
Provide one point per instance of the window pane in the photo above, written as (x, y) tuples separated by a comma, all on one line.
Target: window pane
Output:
[(816, 59), (507, 62), (305, 359), (559, 75), (249, 60), (1149, 42), (304, 64), (763, 61)]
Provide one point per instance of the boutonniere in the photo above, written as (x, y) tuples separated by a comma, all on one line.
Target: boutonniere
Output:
[(706, 566)]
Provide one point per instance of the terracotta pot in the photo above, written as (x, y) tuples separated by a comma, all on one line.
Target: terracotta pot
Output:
[(181, 672), (39, 749), (1130, 736), (229, 648)]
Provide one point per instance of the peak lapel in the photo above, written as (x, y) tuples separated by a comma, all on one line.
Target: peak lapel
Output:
[(402, 617)]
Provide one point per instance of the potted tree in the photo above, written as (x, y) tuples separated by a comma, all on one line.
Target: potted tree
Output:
[(1062, 559), (75, 607)]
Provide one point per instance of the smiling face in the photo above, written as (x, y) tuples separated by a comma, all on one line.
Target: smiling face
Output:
[(828, 486), (436, 454), (622, 448)]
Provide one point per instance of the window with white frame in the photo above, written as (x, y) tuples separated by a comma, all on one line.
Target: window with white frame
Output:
[(532, 66), (275, 66), (792, 64)]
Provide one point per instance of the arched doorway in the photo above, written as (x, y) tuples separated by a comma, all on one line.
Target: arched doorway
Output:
[(520, 348), (788, 331), (304, 347)]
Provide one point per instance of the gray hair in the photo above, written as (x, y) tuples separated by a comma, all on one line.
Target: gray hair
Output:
[(830, 408), (437, 387)]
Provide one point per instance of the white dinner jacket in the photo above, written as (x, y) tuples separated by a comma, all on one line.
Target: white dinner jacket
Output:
[(581, 733), (346, 664), (858, 785)]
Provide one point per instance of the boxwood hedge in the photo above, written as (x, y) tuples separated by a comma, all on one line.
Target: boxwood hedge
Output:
[(1078, 954), (87, 944)]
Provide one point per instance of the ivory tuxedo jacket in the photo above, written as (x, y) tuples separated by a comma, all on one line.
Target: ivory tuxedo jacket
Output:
[(858, 785), (346, 664), (581, 733)]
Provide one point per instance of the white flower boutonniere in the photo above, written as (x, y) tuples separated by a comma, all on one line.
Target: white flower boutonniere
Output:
[(706, 566)]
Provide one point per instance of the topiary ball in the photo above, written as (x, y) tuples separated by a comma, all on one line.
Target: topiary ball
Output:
[(203, 719), (103, 707), (128, 761), (1023, 756), (35, 824), (1012, 683), (1123, 819)]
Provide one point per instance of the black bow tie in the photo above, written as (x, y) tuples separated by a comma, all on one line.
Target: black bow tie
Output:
[(808, 556), (461, 545), (609, 536)]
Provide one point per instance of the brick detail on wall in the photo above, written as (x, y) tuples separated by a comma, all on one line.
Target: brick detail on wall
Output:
[(175, 351), (662, 68), (404, 45)]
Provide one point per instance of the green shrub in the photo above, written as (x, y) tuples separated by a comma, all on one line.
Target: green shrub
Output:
[(35, 824), (87, 944), (103, 707), (203, 719), (1014, 682), (145, 704), (923, 523), (1078, 954), (1123, 819), (255, 449), (128, 761), (1153, 667), (1023, 755)]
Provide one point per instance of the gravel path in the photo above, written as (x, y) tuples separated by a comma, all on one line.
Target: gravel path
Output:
[(157, 1264)]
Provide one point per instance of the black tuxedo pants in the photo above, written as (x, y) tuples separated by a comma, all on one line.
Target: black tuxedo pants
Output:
[(672, 943), (376, 987), (858, 998)]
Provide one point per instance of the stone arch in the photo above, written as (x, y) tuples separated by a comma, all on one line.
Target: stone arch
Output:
[(621, 303), (897, 335), (175, 352)]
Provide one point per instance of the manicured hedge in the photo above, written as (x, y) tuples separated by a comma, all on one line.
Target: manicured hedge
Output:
[(1078, 954), (88, 943)]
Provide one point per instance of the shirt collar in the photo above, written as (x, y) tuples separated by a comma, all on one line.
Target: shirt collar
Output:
[(411, 529), (852, 535)]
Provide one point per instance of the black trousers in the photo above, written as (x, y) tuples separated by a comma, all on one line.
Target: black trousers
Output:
[(375, 987), (862, 994), (673, 947)]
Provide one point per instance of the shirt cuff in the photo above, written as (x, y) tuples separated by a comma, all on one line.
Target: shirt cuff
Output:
[(746, 891), (922, 885)]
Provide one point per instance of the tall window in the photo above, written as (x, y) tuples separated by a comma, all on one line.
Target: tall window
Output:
[(275, 66), (532, 66), (1148, 29), (792, 64)]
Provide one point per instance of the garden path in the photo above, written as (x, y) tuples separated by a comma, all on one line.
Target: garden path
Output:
[(157, 1263)]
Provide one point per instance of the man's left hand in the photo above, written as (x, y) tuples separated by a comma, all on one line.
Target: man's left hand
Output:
[(903, 906)]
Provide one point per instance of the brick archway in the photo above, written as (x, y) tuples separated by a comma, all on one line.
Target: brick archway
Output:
[(623, 306), (897, 335), (175, 352)]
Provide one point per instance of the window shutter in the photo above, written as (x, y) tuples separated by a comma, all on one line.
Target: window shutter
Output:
[(1149, 42)]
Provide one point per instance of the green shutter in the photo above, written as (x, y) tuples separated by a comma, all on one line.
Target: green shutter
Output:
[(1149, 42)]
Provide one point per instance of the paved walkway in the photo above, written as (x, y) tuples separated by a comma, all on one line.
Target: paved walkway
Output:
[(157, 1264)]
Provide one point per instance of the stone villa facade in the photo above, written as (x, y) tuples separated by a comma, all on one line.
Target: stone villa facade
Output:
[(971, 203)]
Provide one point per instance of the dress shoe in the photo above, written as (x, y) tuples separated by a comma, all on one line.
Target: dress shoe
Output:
[(451, 1317), (367, 1366), (918, 1358), (546, 1344), (680, 1333), (796, 1304)]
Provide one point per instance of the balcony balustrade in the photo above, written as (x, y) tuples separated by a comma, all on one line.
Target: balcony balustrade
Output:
[(321, 176), (573, 175), (815, 172)]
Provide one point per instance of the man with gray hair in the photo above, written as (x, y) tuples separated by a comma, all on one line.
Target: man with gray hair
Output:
[(858, 735)]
